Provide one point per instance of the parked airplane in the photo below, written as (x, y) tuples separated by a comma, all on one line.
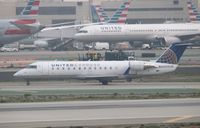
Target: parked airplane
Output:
[(120, 16), (167, 33), (104, 71), (16, 29)]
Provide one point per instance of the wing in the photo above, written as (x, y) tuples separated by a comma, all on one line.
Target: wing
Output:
[(70, 26)]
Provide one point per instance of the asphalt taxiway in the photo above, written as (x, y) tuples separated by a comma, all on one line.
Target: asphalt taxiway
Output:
[(88, 85), (90, 113)]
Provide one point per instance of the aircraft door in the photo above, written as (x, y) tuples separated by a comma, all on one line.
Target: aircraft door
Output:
[(43, 68), (40, 69)]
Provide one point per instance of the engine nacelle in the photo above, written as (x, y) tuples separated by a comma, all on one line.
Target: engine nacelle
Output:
[(170, 40), (136, 66), (41, 43)]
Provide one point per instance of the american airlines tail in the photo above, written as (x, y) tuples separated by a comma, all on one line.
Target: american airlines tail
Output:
[(29, 13), (31, 9), (194, 15), (22, 27), (99, 14), (173, 54), (120, 16)]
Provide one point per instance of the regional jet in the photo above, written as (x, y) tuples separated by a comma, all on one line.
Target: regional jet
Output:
[(103, 71), (12, 30)]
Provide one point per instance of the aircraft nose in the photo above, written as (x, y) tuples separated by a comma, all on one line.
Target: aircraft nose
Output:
[(18, 74)]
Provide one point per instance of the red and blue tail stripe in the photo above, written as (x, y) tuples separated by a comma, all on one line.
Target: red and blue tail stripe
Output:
[(121, 14), (32, 8), (194, 15)]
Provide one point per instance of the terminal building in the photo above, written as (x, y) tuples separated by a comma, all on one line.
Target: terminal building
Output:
[(141, 11)]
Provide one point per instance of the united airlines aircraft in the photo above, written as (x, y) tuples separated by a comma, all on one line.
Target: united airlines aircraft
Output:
[(103, 71), (167, 33)]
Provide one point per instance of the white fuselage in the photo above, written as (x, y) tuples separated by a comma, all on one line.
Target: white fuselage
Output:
[(139, 32), (92, 69)]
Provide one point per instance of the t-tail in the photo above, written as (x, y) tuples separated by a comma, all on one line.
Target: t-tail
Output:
[(194, 15), (173, 54)]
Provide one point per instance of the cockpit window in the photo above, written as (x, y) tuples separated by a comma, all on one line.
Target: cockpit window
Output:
[(83, 31), (31, 66)]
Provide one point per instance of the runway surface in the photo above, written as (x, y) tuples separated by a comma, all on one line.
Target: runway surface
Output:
[(89, 113)]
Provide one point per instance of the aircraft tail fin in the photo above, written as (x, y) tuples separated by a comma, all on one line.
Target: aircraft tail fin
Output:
[(32, 8), (28, 14), (121, 14), (173, 54), (99, 14), (194, 15)]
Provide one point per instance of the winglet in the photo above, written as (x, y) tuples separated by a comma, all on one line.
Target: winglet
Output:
[(173, 54)]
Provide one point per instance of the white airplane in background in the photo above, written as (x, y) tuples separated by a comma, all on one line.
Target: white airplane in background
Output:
[(168, 33), (119, 17), (12, 30), (103, 71)]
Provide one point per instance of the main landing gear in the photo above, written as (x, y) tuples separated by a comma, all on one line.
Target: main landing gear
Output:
[(27, 82), (104, 82)]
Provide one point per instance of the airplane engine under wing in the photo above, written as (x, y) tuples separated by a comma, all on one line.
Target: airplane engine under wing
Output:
[(170, 40), (41, 43)]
